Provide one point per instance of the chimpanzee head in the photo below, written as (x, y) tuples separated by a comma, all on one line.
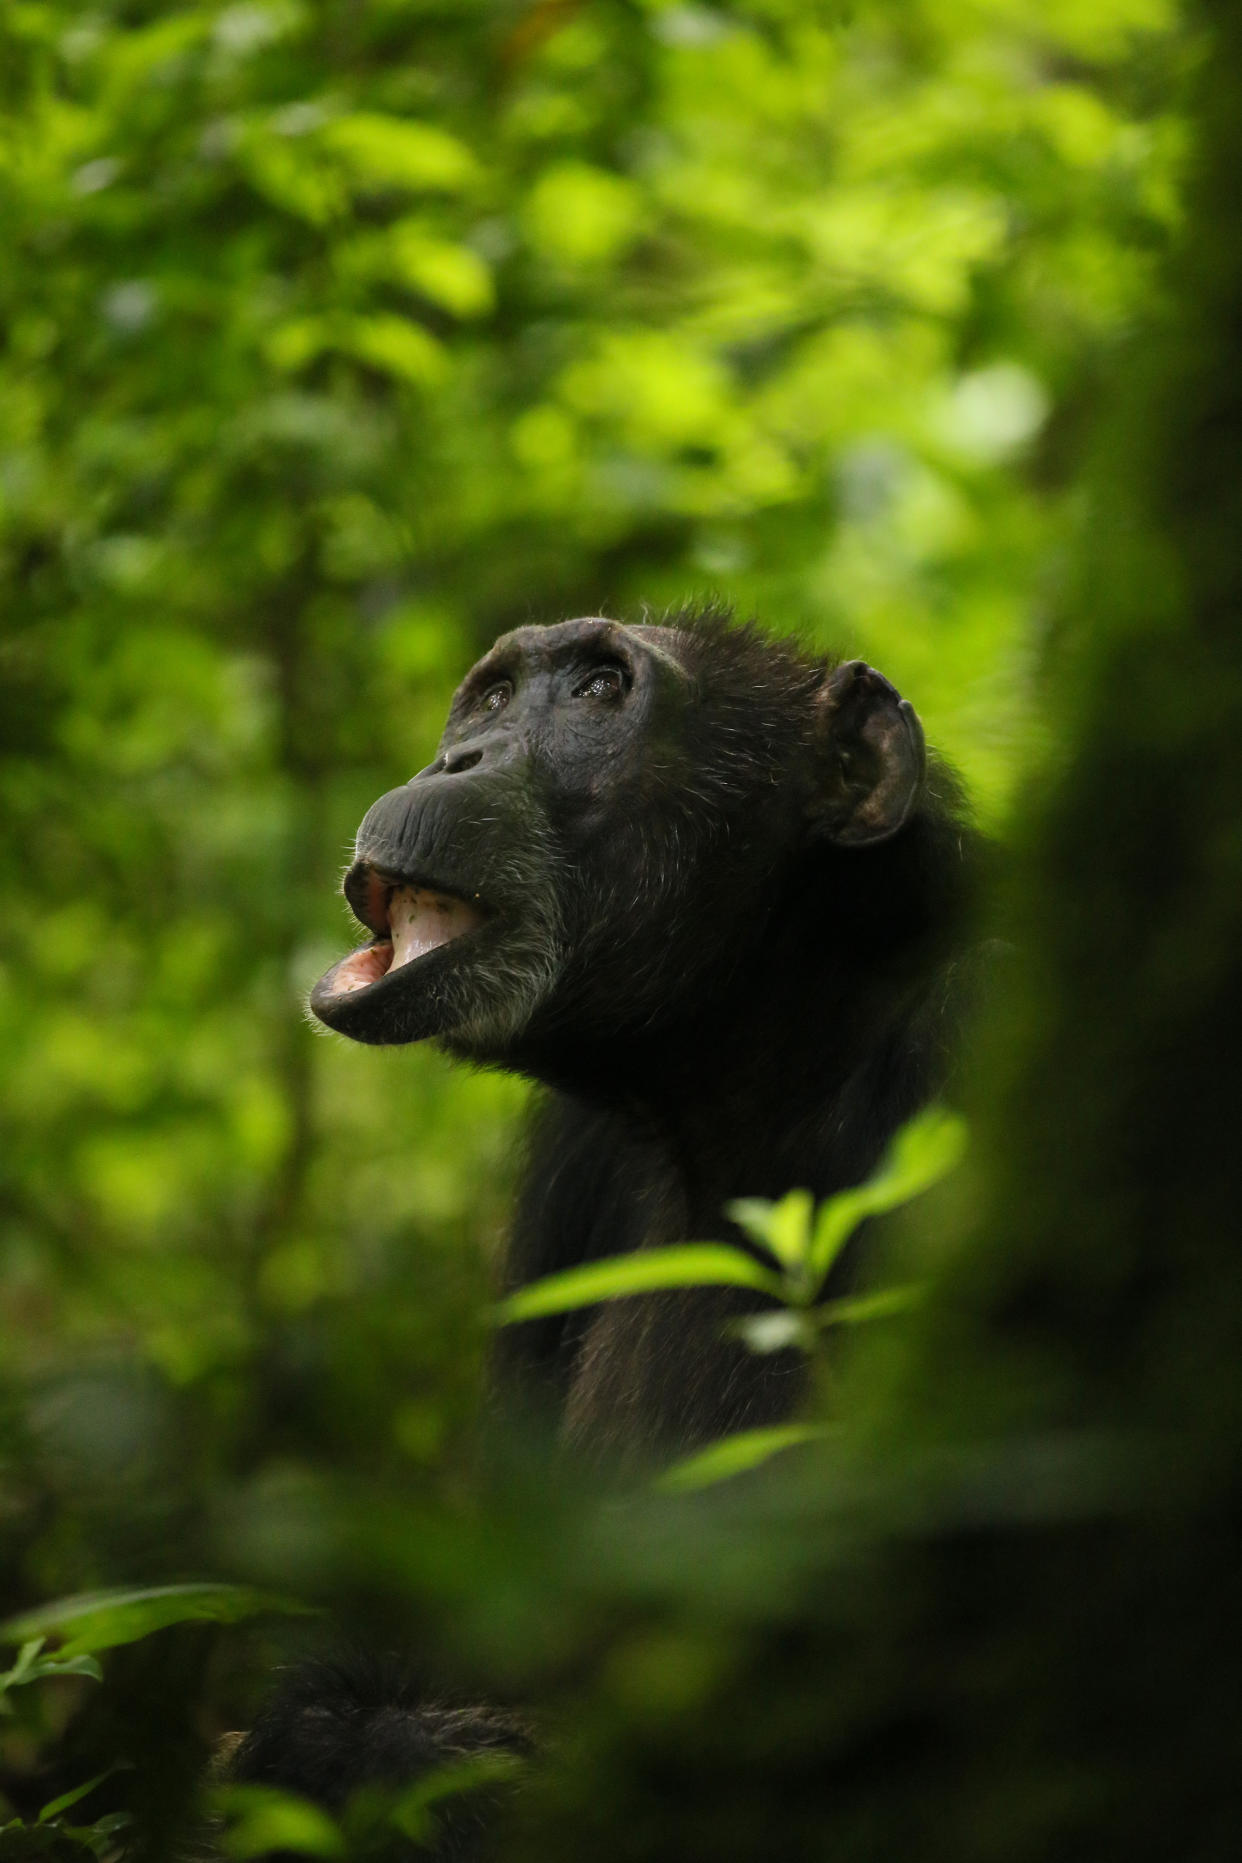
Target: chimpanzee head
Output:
[(611, 821)]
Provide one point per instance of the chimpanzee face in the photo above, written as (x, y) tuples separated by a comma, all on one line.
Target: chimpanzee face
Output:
[(475, 875), (601, 827)]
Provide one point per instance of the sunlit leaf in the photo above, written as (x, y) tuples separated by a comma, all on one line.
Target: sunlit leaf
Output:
[(262, 1819), (856, 1309), (922, 1153), (783, 1228), (581, 215), (693, 1264), (394, 152), (450, 275), (396, 345), (736, 1454)]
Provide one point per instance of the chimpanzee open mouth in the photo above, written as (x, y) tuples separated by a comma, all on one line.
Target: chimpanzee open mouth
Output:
[(412, 919)]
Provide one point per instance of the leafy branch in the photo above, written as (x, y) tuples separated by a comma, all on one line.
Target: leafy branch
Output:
[(802, 1243)]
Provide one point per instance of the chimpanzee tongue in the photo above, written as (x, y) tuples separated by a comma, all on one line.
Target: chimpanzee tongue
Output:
[(420, 920)]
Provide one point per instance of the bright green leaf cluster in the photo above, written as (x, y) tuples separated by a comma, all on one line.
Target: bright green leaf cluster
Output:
[(803, 1242)]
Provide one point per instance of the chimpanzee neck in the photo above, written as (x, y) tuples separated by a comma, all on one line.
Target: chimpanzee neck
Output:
[(797, 1066), (788, 1095)]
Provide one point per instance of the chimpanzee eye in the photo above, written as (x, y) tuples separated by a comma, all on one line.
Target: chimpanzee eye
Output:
[(606, 682), (497, 697)]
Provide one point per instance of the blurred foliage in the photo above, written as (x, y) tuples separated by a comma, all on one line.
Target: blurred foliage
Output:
[(339, 335)]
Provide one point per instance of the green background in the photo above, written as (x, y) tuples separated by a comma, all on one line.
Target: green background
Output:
[(339, 337)]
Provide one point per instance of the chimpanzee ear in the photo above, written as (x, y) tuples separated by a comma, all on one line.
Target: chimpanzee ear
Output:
[(874, 756)]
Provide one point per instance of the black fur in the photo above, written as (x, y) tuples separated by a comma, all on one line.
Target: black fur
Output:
[(337, 1726), (725, 894)]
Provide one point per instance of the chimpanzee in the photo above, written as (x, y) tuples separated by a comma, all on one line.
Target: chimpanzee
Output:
[(708, 890)]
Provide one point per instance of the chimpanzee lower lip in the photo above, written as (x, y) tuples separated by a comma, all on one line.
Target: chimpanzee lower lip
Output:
[(423, 923), (335, 992)]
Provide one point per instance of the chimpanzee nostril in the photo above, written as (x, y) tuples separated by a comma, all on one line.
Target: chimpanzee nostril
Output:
[(459, 760)]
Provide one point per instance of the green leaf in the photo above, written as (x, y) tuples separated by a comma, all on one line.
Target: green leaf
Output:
[(394, 345), (450, 275), (32, 1667), (23, 1669), (413, 1812), (99, 1834), (54, 1808), (381, 151), (858, 1308), (71, 1665), (783, 1228), (581, 215), (262, 1819), (99, 1620), (923, 1152), (691, 1264), (748, 1449)]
